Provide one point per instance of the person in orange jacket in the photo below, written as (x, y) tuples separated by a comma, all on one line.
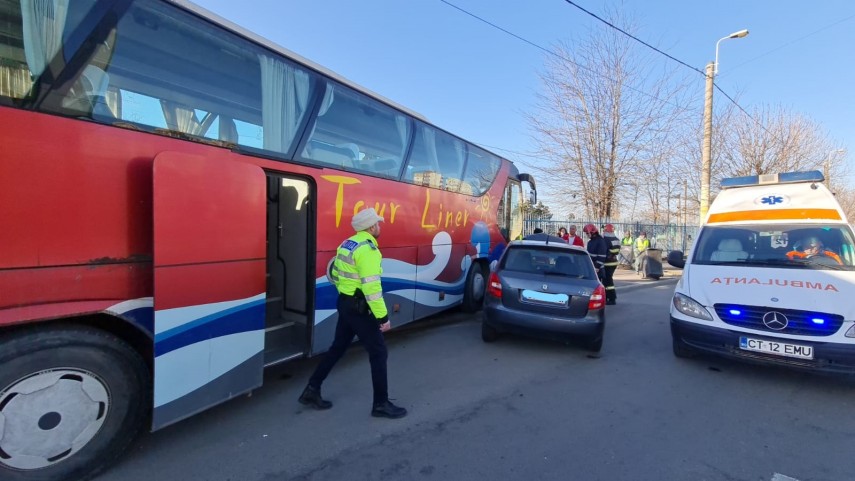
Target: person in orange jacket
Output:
[(813, 247)]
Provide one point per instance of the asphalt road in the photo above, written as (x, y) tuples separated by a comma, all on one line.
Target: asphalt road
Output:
[(524, 409)]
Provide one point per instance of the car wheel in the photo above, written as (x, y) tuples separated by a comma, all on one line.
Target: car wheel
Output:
[(476, 284), (72, 399), (595, 345), (595, 342), (681, 349), (488, 332)]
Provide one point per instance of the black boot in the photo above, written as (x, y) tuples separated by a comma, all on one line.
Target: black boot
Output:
[(388, 410), (312, 397)]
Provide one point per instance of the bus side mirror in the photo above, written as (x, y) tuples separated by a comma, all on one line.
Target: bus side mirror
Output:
[(675, 258)]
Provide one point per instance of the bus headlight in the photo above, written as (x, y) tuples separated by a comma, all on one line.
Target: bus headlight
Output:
[(691, 307)]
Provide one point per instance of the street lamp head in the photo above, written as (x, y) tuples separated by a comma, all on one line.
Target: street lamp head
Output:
[(739, 34)]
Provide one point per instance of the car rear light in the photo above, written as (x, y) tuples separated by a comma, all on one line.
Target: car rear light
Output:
[(494, 287), (598, 298)]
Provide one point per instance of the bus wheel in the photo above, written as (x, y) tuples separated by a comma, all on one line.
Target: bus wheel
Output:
[(72, 399), (473, 294)]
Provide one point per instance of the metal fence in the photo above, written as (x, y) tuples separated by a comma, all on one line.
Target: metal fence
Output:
[(667, 237)]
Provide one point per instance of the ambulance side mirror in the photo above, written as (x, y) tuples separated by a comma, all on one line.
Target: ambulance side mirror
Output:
[(675, 258)]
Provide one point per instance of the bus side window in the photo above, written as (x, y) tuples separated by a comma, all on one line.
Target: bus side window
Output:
[(88, 96), (356, 132)]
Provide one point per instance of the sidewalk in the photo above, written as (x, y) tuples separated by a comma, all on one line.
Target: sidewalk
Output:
[(626, 278)]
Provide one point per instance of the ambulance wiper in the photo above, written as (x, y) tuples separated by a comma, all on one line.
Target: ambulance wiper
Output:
[(776, 262), (798, 263)]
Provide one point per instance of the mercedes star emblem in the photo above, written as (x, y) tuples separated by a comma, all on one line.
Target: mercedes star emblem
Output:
[(545, 287), (775, 320)]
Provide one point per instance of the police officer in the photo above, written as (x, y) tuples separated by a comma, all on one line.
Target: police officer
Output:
[(613, 244), (361, 311), (597, 249)]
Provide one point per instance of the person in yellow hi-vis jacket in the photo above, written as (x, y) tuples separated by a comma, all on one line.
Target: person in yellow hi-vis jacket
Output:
[(361, 311)]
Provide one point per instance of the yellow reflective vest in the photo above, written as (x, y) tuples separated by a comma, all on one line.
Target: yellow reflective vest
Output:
[(642, 245), (357, 266)]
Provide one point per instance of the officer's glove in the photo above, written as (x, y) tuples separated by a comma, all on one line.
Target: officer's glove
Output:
[(382, 320)]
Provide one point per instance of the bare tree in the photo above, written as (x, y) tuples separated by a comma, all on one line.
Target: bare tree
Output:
[(846, 198), (605, 109), (774, 141)]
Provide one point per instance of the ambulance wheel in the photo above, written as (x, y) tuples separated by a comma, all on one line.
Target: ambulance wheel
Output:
[(681, 349), (476, 284), (72, 399)]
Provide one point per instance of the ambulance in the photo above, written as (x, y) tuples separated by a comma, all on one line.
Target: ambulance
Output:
[(771, 276)]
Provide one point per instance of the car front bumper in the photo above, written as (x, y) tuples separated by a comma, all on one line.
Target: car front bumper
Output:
[(827, 356)]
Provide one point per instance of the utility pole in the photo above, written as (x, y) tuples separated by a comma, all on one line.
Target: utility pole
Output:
[(711, 71), (707, 145)]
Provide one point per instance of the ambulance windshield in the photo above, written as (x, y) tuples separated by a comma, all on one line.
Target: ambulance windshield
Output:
[(796, 246)]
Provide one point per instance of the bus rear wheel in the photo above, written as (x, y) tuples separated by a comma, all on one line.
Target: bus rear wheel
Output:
[(72, 399)]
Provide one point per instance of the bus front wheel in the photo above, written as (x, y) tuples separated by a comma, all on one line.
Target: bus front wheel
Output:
[(72, 399), (476, 283)]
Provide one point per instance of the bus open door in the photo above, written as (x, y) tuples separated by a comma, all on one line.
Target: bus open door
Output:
[(209, 282)]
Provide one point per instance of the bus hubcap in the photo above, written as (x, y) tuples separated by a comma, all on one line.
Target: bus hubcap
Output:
[(478, 286), (47, 417)]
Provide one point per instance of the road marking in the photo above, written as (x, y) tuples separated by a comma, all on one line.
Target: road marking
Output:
[(782, 477)]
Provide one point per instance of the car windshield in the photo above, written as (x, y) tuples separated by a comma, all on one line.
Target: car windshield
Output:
[(549, 261), (797, 246)]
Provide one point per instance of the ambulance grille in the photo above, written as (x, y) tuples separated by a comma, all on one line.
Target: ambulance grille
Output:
[(802, 323)]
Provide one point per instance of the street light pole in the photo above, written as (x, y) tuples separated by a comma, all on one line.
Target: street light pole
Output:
[(706, 149)]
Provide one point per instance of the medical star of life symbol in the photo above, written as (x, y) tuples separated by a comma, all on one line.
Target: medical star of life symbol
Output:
[(772, 199)]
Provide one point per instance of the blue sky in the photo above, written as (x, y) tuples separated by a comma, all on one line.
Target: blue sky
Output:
[(478, 82)]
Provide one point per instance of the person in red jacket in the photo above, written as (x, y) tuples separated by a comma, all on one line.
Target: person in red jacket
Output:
[(573, 239)]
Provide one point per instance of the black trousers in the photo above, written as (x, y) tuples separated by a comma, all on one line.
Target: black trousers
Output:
[(609, 283), (365, 327)]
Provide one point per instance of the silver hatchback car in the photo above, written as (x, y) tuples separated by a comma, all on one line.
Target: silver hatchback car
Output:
[(545, 289)]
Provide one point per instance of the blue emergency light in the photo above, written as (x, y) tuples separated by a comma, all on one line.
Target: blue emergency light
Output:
[(766, 179), (818, 320), (735, 312)]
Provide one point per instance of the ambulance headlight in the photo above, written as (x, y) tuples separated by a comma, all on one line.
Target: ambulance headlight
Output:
[(691, 307), (851, 331)]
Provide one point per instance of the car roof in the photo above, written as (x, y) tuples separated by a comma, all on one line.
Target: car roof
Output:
[(561, 244)]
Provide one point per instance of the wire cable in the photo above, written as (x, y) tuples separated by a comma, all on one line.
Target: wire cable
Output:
[(681, 62), (636, 38), (794, 41), (550, 52)]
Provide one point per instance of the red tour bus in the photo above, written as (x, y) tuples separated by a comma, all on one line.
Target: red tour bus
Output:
[(172, 192)]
